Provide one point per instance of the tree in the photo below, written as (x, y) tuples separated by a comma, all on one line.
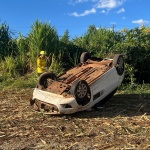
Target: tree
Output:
[(5, 38)]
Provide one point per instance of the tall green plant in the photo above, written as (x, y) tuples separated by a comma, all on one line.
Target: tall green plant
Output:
[(8, 66), (21, 56), (5, 37), (99, 41), (42, 37), (74, 61)]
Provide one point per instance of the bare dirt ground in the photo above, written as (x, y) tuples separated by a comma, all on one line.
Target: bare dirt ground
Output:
[(124, 123)]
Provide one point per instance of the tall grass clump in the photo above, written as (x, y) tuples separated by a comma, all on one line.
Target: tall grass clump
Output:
[(74, 61), (56, 66), (8, 68)]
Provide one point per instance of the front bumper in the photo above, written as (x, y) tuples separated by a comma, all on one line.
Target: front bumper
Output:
[(54, 103)]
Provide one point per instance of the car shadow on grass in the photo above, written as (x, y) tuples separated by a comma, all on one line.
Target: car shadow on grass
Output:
[(123, 105)]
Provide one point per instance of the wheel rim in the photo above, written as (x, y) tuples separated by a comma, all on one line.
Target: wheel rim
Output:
[(82, 90)]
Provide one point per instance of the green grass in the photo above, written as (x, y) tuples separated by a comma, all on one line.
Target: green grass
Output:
[(134, 89), (27, 81)]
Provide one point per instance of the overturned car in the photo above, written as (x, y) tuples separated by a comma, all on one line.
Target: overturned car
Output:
[(83, 87)]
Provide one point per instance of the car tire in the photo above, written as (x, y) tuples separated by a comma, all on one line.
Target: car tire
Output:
[(43, 79), (84, 57), (119, 64), (81, 91)]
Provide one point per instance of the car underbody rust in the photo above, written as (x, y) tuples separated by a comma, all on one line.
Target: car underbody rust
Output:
[(89, 71)]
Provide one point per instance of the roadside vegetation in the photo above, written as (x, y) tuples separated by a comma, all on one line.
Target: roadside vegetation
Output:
[(18, 54)]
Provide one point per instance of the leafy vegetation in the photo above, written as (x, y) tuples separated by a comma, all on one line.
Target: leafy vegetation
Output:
[(18, 55)]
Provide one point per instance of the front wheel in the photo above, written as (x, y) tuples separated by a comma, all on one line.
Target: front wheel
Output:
[(43, 79), (81, 91)]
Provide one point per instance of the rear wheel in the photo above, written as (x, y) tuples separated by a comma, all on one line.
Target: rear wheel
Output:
[(84, 57), (81, 91), (119, 64), (43, 79)]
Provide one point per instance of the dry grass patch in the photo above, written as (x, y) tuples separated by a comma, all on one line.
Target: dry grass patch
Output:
[(124, 123)]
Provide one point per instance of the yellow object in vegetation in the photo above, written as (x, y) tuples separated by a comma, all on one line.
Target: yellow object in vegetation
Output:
[(43, 53), (41, 65)]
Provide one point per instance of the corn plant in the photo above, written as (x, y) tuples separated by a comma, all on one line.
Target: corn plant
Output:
[(42, 37), (21, 57)]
